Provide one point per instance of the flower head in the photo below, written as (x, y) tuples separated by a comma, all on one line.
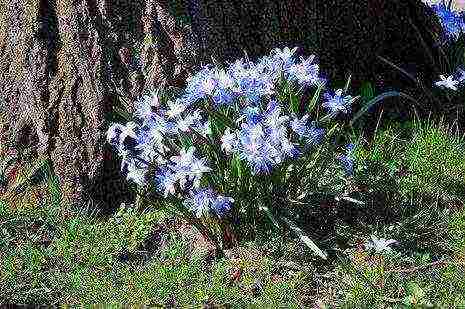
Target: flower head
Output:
[(175, 108), (165, 181), (337, 103), (204, 201), (285, 56), (448, 82), (380, 244), (228, 141), (305, 72)]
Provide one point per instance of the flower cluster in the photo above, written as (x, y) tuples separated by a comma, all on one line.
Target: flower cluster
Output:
[(175, 136), (452, 22), (251, 81), (264, 139)]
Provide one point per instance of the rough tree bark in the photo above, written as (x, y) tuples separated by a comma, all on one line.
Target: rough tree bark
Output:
[(345, 35), (65, 63)]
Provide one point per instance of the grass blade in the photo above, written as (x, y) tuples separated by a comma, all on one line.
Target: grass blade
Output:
[(304, 238)]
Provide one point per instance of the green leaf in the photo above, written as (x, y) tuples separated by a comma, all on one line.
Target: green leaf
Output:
[(349, 199), (236, 167), (366, 91), (294, 101), (410, 76), (270, 216), (304, 238), (377, 99), (186, 142), (121, 112), (315, 97), (346, 87), (332, 130)]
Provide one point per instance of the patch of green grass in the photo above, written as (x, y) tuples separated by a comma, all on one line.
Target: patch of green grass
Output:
[(132, 257), (416, 160), (407, 173), (436, 162), (402, 278)]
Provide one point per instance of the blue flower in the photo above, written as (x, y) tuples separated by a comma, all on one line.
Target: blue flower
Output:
[(461, 73), (299, 126), (145, 106), (289, 149), (222, 97), (311, 134), (273, 115), (199, 86), (452, 22), (165, 181), (222, 205), (314, 135), (305, 72), (203, 201), (257, 152), (252, 115), (337, 103)]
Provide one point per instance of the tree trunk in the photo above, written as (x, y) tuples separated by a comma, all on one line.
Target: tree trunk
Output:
[(64, 64)]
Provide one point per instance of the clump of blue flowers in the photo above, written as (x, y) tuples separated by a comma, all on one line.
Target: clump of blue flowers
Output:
[(232, 138), (452, 22)]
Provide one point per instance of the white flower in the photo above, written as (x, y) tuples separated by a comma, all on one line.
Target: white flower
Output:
[(136, 174), (185, 124), (185, 157), (175, 108), (285, 55), (380, 244), (208, 85), (228, 141), (224, 80), (128, 130), (448, 82), (205, 129), (197, 169)]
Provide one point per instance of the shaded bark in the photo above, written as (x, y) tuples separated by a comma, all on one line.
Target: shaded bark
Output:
[(345, 35)]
